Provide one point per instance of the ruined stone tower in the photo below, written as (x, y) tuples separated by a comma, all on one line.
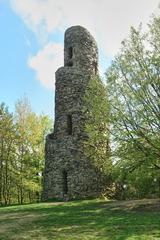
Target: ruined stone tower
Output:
[(68, 172)]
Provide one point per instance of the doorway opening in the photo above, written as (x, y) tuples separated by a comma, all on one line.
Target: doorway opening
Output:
[(65, 182)]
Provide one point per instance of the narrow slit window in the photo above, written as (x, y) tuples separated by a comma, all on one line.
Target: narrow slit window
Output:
[(95, 67), (69, 124), (69, 62), (70, 53), (65, 182)]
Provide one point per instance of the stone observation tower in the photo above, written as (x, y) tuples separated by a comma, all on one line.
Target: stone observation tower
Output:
[(68, 171)]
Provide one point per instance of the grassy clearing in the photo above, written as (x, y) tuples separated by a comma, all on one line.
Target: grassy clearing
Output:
[(88, 219)]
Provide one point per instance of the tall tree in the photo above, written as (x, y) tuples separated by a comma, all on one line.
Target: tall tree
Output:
[(21, 153), (31, 131), (97, 124), (7, 153), (133, 83)]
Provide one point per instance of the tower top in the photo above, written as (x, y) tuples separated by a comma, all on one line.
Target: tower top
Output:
[(80, 49)]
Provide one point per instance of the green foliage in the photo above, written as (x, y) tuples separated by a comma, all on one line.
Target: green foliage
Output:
[(133, 83), (7, 153), (22, 153), (94, 219), (97, 124)]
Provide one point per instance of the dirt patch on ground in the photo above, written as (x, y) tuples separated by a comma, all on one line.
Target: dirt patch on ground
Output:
[(135, 205), (55, 203)]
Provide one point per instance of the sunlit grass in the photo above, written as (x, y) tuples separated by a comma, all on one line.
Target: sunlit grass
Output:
[(89, 219)]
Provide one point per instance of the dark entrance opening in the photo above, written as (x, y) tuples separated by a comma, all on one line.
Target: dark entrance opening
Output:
[(65, 182), (69, 124)]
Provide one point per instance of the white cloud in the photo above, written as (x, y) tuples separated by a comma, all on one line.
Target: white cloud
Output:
[(46, 62), (108, 20)]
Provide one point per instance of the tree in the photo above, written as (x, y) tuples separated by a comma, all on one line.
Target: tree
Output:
[(22, 138), (31, 131), (133, 83), (7, 153), (97, 125)]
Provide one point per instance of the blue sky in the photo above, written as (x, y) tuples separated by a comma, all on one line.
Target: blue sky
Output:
[(16, 78), (31, 42)]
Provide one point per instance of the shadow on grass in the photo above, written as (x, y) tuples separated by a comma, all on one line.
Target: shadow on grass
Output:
[(81, 220)]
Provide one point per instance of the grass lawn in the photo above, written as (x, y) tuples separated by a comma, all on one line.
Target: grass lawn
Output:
[(88, 219)]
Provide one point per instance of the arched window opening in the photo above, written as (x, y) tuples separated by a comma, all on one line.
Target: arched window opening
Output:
[(65, 182), (69, 124)]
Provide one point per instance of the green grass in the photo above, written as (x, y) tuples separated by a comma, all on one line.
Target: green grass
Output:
[(88, 219)]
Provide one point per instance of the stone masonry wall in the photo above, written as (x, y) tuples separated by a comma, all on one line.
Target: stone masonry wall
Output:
[(68, 172)]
